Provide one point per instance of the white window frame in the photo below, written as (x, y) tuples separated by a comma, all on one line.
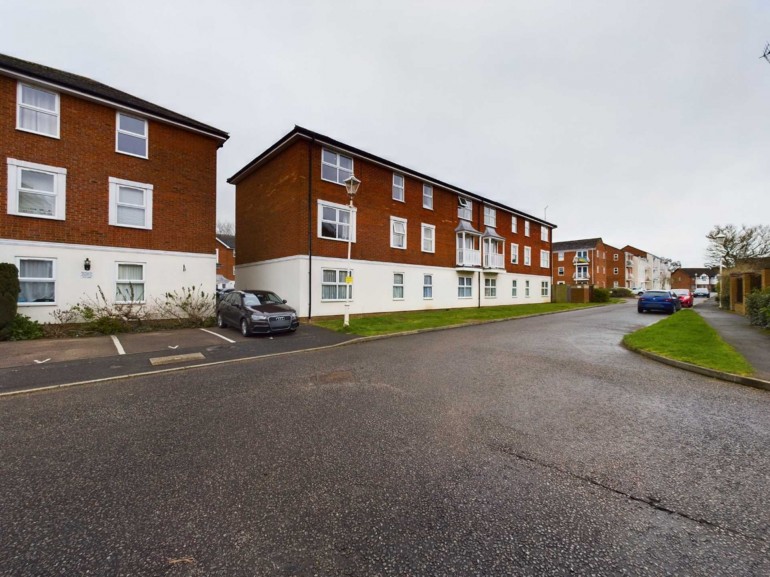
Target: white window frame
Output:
[(119, 281), (464, 283), (490, 216), (432, 238), (399, 191), (514, 224), (398, 287), (545, 259), (114, 184), (337, 207), (20, 105), (145, 136), (514, 253), (544, 288), (396, 222), (341, 294), (14, 184), (544, 233), (427, 196), (37, 279), (560, 271), (526, 227), (561, 255), (337, 166), (490, 288), (515, 288), (526, 289), (615, 257), (527, 256), (464, 208), (615, 270), (427, 286)]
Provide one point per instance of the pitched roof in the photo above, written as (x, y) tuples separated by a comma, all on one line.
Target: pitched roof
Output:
[(300, 132), (575, 244), (227, 239), (88, 87), (708, 271)]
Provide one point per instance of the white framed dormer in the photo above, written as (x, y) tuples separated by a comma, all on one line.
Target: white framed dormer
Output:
[(336, 221), (37, 110), (335, 167), (130, 204), (36, 190), (131, 135)]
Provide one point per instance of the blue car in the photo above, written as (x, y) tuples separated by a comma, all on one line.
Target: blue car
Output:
[(663, 301)]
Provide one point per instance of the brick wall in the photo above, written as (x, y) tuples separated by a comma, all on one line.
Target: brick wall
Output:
[(181, 167)]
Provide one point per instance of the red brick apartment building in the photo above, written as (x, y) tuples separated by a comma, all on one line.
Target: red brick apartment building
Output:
[(103, 190), (416, 242), (225, 251)]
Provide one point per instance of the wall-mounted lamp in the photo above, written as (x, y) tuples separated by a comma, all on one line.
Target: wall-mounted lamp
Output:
[(87, 264), (184, 268)]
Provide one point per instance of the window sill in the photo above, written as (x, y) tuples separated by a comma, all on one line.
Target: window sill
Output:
[(28, 131)]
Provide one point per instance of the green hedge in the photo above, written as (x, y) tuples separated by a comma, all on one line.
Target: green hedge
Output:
[(758, 308), (9, 294), (600, 295)]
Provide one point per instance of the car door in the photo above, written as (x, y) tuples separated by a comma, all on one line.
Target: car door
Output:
[(232, 311)]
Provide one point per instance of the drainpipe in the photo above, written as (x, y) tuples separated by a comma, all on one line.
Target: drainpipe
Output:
[(481, 248), (310, 229)]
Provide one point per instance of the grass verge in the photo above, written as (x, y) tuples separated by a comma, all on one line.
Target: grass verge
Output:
[(388, 323), (686, 337)]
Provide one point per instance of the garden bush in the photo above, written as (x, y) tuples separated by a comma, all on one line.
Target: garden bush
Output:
[(621, 293), (758, 308), (23, 328), (9, 294), (600, 295)]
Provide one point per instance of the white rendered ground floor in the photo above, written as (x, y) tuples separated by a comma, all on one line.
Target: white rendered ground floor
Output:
[(57, 276), (317, 287)]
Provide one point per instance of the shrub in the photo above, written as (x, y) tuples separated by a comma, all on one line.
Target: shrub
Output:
[(9, 294), (621, 293), (23, 328), (600, 295), (758, 308), (109, 318), (191, 306)]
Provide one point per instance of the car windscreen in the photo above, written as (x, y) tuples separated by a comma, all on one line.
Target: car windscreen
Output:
[(657, 294), (682, 291), (250, 300)]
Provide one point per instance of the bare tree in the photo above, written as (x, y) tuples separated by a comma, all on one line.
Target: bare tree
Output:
[(746, 242), (225, 227)]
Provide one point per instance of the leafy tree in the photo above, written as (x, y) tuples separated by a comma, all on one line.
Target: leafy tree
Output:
[(746, 242)]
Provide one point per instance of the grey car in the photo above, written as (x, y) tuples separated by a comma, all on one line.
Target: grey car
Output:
[(256, 311)]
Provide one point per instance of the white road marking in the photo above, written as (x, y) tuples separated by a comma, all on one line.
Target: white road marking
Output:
[(41, 362), (118, 346), (217, 335), (174, 347)]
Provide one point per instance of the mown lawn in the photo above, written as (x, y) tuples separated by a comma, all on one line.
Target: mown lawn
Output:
[(414, 320), (686, 337)]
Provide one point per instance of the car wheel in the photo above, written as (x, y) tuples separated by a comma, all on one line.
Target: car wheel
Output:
[(221, 322), (244, 327), (640, 311)]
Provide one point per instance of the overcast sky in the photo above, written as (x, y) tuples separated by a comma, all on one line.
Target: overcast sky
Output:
[(644, 123)]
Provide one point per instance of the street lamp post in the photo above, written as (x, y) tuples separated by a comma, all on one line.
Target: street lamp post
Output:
[(720, 240), (351, 186)]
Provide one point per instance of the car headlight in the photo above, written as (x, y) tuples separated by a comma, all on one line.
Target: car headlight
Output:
[(256, 317), (293, 315)]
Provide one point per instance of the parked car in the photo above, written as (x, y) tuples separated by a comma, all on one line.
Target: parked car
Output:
[(702, 293), (637, 290), (658, 300), (685, 297), (256, 311)]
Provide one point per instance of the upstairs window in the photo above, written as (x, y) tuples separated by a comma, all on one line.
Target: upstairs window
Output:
[(130, 204), (545, 258), (131, 137), (38, 111), (464, 208), (527, 256), (36, 190), (514, 253), (427, 196), (428, 238), (335, 167), (561, 256), (335, 222), (526, 228), (544, 233), (514, 224), (490, 216), (397, 232), (398, 187)]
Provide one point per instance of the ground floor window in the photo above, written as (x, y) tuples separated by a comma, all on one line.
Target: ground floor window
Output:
[(129, 287), (465, 287), (427, 286), (514, 288), (334, 286), (37, 280), (526, 288), (544, 288), (490, 288), (398, 286)]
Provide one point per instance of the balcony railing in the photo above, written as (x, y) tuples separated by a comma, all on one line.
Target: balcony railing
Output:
[(468, 257), (629, 263), (493, 260), (581, 260), (581, 276)]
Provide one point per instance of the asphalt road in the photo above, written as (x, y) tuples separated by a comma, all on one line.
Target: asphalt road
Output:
[(530, 447)]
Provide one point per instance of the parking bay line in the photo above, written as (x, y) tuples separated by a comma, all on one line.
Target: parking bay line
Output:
[(116, 342), (218, 335)]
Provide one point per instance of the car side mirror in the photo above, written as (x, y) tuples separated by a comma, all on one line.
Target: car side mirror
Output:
[(284, 301)]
